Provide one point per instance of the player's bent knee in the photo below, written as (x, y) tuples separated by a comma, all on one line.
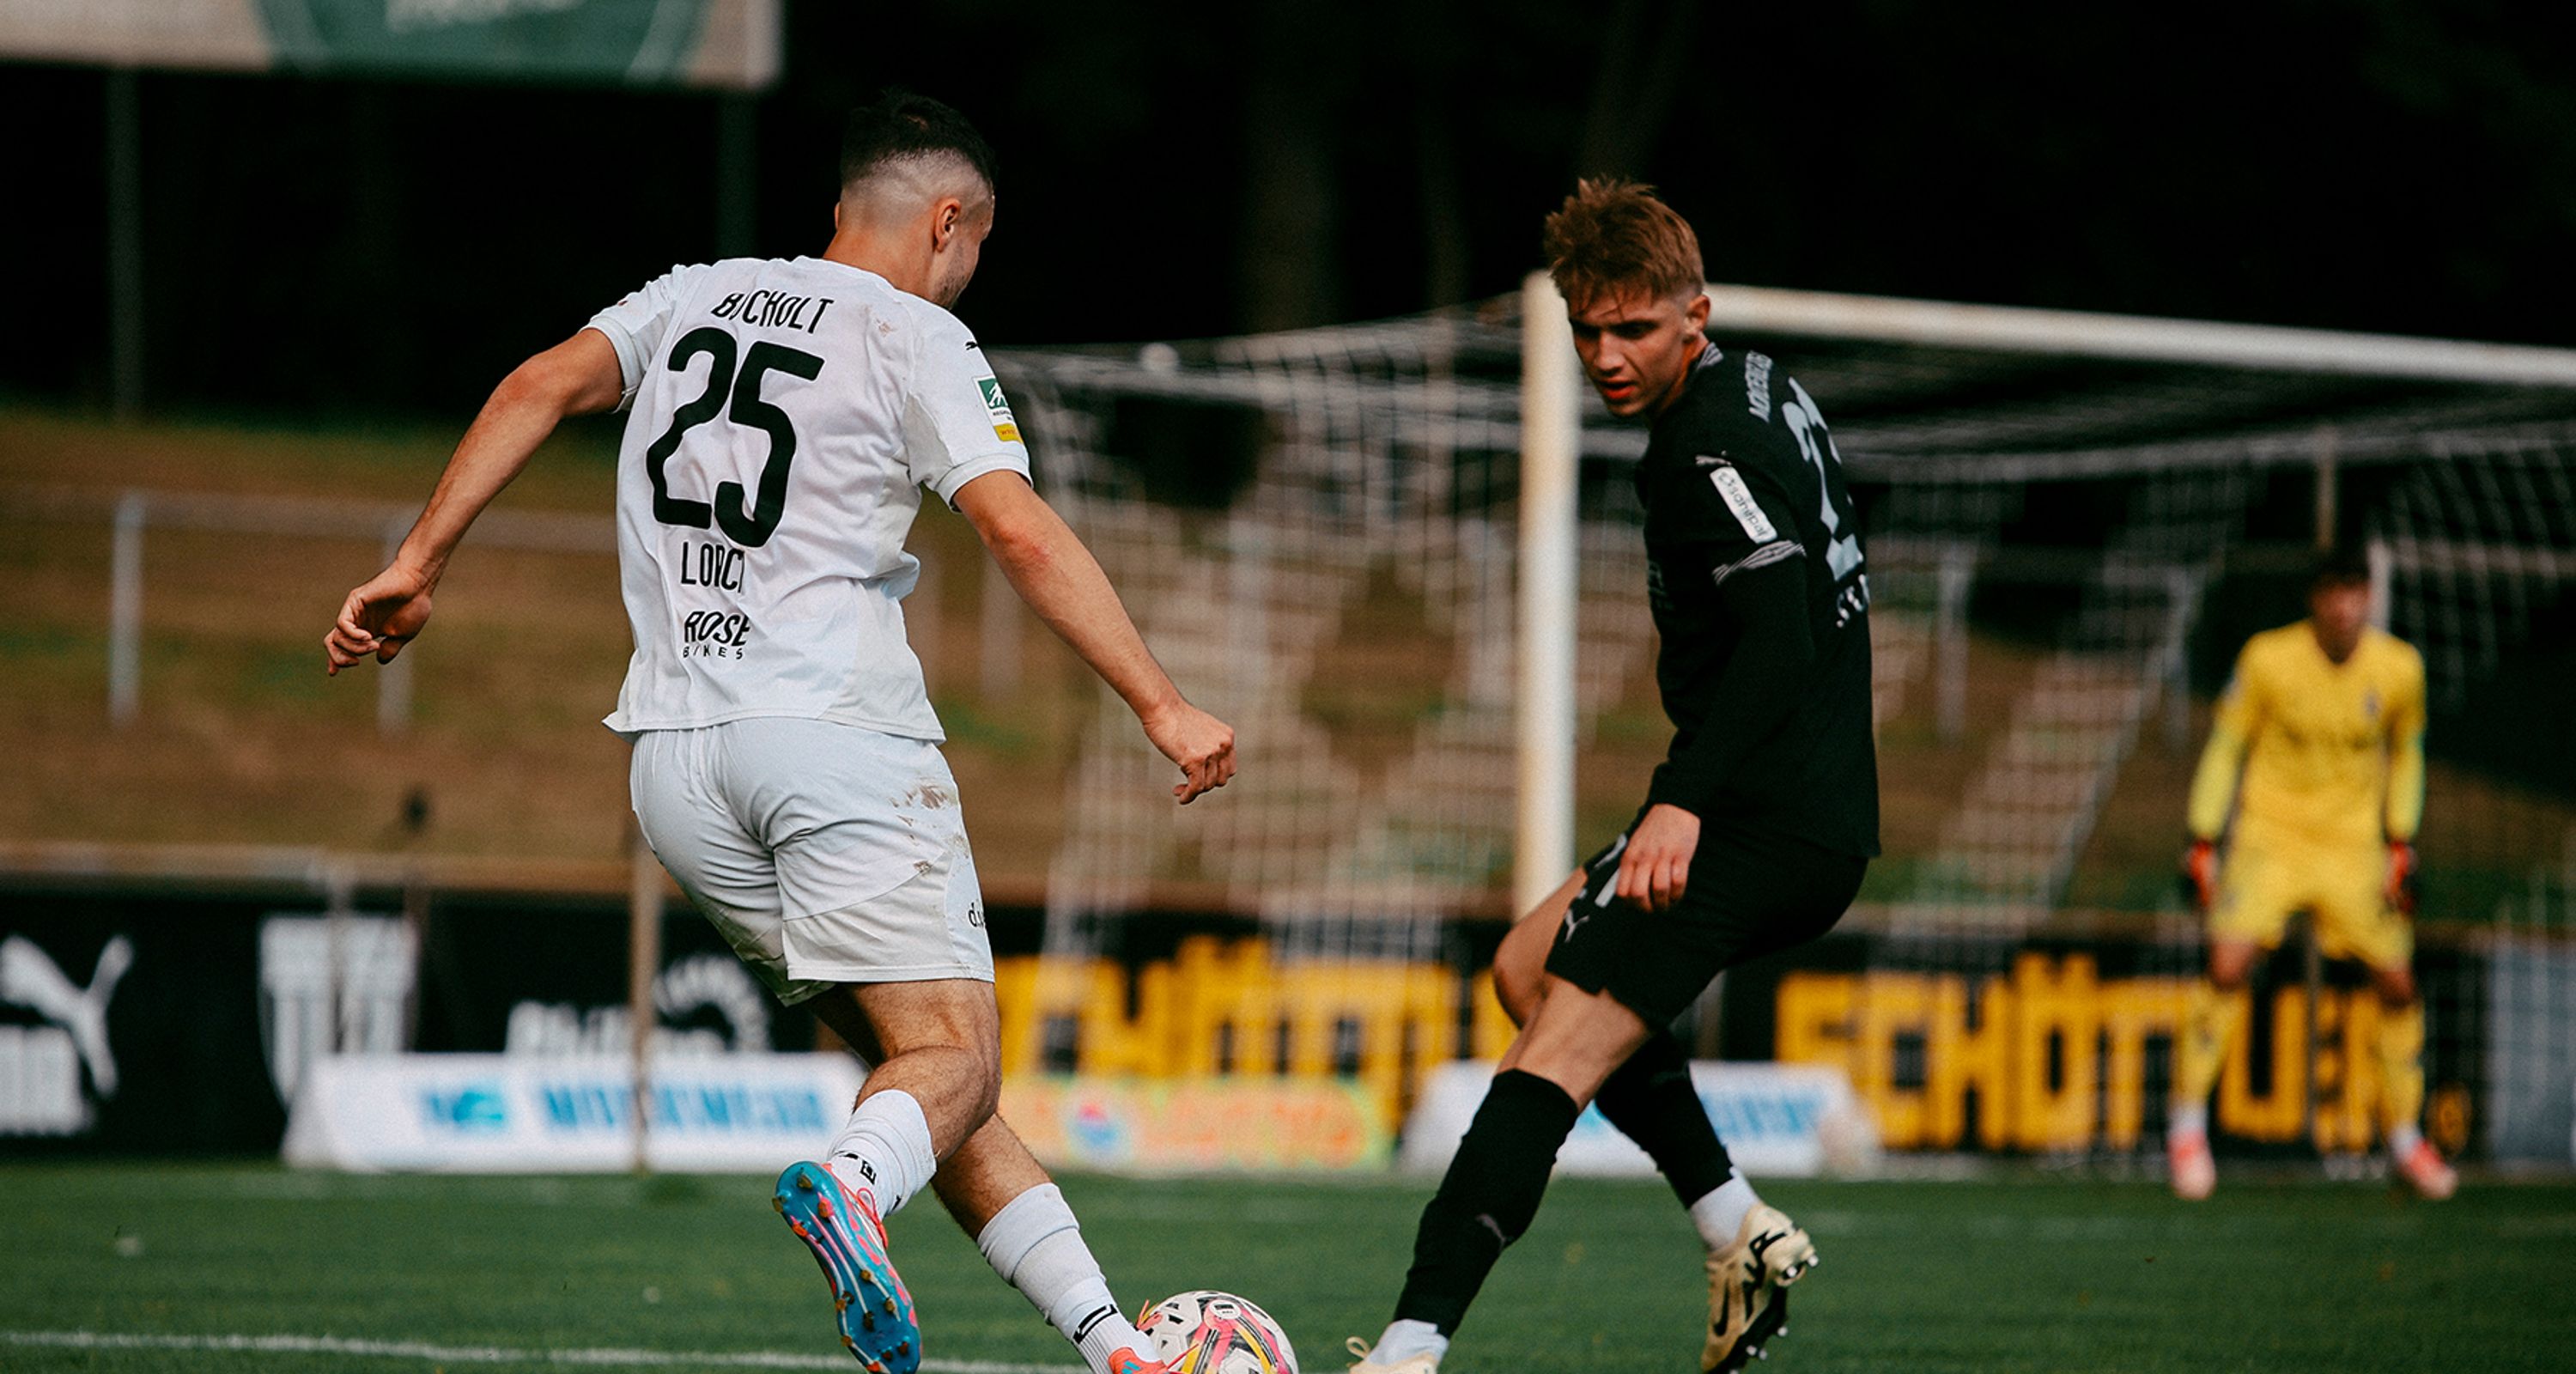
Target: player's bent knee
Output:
[(1520, 962), (985, 1107), (945, 1013), (1576, 1038), (1516, 984), (974, 1074), (988, 1080)]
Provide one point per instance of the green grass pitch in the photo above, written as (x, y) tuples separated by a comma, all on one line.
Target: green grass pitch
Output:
[(415, 1273)]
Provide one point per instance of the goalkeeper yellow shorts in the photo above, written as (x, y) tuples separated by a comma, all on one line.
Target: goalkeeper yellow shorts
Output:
[(2344, 886)]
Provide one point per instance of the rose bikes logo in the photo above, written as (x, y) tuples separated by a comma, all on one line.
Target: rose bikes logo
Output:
[(714, 634)]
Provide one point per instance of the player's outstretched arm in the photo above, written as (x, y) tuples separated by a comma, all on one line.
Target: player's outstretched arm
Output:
[(1061, 581), (579, 376)]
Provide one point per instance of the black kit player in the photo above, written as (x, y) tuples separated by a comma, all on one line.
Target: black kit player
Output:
[(1756, 827)]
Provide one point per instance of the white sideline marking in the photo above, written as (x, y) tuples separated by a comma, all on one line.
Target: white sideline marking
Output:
[(492, 1354)]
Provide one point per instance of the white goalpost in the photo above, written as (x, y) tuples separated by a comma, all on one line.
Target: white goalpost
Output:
[(1770, 312), (1552, 386)]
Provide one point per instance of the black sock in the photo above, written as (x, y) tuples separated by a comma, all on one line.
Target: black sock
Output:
[(1651, 1099), (1487, 1198)]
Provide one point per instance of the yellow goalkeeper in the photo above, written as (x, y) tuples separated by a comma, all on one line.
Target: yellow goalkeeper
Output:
[(2325, 722)]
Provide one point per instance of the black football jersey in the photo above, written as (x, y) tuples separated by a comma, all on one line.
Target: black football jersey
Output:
[(1740, 475)]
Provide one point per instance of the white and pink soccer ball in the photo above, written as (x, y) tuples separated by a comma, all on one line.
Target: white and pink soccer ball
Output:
[(1208, 1332)]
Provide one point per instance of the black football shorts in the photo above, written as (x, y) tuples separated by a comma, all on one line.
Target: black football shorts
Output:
[(1748, 895)]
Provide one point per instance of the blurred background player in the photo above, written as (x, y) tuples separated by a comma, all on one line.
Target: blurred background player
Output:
[(2325, 720), (786, 416), (1756, 827)]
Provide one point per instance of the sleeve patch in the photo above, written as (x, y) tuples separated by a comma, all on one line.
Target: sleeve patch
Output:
[(997, 408), (1739, 499), (1762, 557)]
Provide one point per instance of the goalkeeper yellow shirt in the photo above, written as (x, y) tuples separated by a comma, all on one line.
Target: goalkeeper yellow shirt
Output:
[(2331, 753)]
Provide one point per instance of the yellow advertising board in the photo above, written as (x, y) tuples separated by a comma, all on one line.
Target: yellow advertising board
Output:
[(2054, 1058), (2049, 1056), (1220, 1008)]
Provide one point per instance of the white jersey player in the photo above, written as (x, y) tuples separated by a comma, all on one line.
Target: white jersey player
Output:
[(785, 418)]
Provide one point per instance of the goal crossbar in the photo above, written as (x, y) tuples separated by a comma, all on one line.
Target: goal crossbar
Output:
[(2130, 338)]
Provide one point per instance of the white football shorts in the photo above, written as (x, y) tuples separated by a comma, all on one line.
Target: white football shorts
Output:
[(824, 853)]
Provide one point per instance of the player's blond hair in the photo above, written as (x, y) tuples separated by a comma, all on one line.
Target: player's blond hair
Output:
[(1614, 238)]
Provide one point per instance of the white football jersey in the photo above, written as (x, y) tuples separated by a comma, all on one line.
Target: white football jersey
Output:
[(785, 417)]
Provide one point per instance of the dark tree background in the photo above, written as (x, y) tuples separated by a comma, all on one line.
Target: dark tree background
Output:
[(342, 248)]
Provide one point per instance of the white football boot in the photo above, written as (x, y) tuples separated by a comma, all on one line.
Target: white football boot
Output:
[(1748, 1288), (1424, 1363)]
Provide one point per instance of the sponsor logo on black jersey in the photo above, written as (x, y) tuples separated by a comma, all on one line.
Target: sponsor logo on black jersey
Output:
[(1739, 502)]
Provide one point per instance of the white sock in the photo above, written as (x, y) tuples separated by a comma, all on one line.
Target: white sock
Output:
[(884, 1152), (2402, 1141), (2188, 1119), (1720, 1215), (1405, 1339), (1036, 1246)]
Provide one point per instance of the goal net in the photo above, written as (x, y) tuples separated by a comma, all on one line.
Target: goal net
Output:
[(2073, 522)]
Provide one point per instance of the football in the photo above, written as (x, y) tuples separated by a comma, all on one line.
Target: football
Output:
[(1207, 1332)]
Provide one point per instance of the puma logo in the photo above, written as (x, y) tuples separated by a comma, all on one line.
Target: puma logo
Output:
[(1608, 866), (29, 978)]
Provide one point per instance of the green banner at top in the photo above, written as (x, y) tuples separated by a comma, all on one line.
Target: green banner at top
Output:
[(726, 43)]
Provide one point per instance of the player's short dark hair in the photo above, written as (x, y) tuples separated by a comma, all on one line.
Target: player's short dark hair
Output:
[(902, 124), (1613, 237), (2341, 565)]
